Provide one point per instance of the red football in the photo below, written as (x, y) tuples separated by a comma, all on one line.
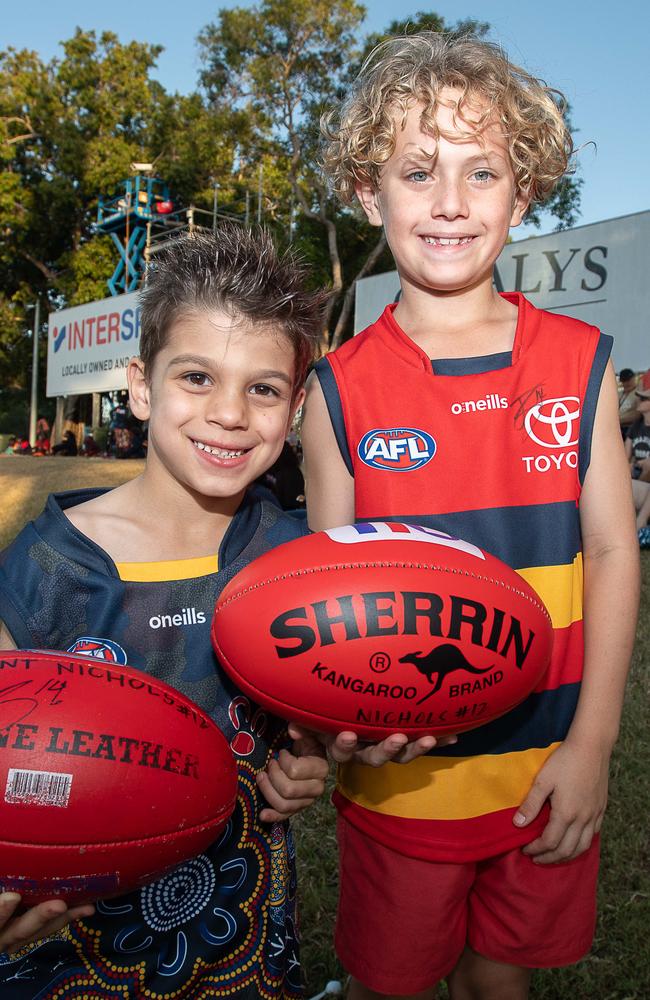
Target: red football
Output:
[(381, 628), (108, 777)]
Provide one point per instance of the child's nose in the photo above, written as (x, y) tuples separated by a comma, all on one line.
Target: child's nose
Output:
[(225, 408), (449, 200)]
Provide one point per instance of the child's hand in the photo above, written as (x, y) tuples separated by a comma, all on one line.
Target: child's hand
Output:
[(575, 779), (292, 781), (38, 922), (395, 749)]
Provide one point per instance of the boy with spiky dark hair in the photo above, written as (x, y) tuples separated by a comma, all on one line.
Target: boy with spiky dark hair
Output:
[(228, 329)]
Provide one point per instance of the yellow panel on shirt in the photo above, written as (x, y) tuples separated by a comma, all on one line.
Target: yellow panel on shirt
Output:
[(169, 569), (560, 588), (444, 787)]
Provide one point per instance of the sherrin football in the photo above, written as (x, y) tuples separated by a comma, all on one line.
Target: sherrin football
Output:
[(108, 777), (381, 628)]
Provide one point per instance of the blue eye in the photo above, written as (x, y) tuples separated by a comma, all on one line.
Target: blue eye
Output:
[(483, 176), (418, 176)]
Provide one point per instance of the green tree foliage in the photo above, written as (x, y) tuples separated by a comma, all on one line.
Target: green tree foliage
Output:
[(283, 63), (70, 129)]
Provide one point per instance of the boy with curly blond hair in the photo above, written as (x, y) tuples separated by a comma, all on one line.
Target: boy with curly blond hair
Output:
[(482, 416)]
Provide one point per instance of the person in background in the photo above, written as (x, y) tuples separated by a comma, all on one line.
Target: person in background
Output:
[(637, 442), (67, 447), (627, 402), (42, 435)]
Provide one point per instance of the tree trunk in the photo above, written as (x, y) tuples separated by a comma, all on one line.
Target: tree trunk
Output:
[(348, 299)]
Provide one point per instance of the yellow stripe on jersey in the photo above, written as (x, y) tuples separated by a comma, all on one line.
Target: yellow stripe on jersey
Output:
[(442, 788), (560, 588), (169, 569)]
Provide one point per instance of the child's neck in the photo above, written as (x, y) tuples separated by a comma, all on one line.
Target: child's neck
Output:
[(176, 523), (467, 323), (153, 519)]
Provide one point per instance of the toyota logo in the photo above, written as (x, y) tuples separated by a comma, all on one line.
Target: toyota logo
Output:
[(551, 422)]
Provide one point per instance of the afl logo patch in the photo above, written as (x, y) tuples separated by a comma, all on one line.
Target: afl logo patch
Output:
[(399, 449), (100, 649)]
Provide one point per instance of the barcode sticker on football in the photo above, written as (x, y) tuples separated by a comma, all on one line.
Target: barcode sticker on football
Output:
[(41, 788)]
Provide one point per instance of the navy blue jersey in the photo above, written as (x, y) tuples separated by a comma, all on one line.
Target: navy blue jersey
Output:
[(224, 922)]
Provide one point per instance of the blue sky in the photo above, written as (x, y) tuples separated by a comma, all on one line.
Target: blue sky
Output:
[(596, 52)]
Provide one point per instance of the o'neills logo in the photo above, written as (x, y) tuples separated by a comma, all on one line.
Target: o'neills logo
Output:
[(387, 613), (489, 402), (186, 616)]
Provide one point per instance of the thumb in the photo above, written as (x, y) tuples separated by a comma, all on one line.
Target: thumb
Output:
[(530, 807), (305, 742)]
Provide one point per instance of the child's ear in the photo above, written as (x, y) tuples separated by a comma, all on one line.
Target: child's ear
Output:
[(520, 207), (139, 390), (367, 195)]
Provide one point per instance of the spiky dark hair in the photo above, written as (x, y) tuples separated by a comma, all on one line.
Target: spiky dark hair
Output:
[(238, 271)]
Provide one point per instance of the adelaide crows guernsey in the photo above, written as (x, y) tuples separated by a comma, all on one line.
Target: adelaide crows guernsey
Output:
[(223, 923), (493, 450)]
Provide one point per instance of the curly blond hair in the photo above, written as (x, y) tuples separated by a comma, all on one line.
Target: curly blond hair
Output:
[(403, 71)]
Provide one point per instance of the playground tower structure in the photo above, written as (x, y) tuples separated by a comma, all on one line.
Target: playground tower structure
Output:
[(141, 219), (142, 203)]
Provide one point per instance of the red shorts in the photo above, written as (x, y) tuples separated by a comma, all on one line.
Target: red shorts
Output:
[(403, 923)]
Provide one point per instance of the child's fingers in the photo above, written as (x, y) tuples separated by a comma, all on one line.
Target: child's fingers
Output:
[(38, 922), (343, 747), (307, 743), (532, 804), (9, 902), (575, 840), (285, 800), (293, 778)]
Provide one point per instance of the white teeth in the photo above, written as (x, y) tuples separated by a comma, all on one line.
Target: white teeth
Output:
[(444, 241), (219, 452)]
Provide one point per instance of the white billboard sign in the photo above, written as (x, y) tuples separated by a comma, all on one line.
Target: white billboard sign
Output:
[(89, 346), (598, 273)]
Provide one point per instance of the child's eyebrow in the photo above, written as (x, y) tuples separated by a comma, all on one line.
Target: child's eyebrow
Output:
[(419, 157), (190, 359), (272, 373)]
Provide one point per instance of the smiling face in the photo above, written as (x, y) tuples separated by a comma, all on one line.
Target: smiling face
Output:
[(219, 399), (446, 205)]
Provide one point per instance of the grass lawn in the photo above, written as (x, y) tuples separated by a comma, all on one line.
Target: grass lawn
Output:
[(619, 965)]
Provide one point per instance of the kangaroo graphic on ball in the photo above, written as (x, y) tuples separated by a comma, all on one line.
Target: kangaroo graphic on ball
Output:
[(441, 661)]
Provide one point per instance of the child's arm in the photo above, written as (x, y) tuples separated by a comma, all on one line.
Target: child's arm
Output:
[(329, 489), (575, 777)]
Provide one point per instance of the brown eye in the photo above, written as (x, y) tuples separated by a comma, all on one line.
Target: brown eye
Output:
[(197, 378), (262, 389)]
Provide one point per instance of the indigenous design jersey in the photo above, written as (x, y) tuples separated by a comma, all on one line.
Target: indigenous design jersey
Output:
[(493, 450), (222, 923)]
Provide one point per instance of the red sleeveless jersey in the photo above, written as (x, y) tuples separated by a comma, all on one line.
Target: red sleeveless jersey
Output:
[(493, 450)]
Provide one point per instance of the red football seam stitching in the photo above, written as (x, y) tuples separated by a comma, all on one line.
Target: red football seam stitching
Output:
[(120, 843), (385, 565)]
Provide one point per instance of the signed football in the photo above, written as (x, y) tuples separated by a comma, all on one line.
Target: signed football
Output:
[(381, 628), (108, 777)]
